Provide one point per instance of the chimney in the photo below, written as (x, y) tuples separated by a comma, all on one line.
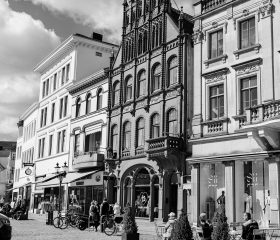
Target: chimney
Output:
[(97, 36)]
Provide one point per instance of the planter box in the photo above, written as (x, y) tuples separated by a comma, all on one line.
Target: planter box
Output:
[(130, 236)]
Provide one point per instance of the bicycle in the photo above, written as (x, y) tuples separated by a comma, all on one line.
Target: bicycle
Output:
[(63, 222), (112, 224)]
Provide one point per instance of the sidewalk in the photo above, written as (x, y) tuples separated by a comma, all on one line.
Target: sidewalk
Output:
[(146, 228)]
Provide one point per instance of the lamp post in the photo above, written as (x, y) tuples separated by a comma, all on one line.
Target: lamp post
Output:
[(61, 174)]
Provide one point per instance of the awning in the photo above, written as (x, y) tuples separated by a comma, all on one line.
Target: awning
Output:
[(70, 177), (22, 185)]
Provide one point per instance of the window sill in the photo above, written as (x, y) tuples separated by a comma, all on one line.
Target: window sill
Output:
[(216, 59), (255, 47)]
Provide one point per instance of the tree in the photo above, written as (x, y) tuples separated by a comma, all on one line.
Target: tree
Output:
[(221, 228), (182, 229), (129, 224)]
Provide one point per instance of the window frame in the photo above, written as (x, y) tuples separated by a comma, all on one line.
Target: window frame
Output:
[(128, 88), (155, 126), (115, 101), (114, 134), (88, 103), (140, 82), (78, 107), (210, 56), (126, 144), (173, 121), (170, 68), (248, 32), (216, 96), (155, 76), (242, 108), (140, 143), (99, 98)]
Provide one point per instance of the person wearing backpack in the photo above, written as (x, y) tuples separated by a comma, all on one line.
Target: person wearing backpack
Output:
[(248, 227)]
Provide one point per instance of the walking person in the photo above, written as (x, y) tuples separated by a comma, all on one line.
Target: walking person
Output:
[(94, 214), (169, 226)]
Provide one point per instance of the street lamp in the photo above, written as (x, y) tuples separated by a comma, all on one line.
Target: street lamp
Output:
[(60, 176)]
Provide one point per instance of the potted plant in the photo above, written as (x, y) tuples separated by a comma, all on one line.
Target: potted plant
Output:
[(130, 228), (221, 228), (182, 229)]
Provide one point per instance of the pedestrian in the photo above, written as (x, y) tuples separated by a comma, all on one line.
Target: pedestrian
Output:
[(248, 227), (169, 226), (94, 214), (207, 229), (222, 199), (104, 208), (117, 210)]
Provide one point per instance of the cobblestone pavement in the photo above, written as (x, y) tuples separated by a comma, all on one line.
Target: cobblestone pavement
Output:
[(36, 229)]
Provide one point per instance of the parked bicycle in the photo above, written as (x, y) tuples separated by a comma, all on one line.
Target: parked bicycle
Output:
[(70, 219), (113, 224)]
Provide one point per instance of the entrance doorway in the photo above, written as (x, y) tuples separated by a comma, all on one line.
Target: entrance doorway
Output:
[(173, 193)]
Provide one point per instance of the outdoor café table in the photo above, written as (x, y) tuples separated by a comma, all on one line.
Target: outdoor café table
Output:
[(270, 233)]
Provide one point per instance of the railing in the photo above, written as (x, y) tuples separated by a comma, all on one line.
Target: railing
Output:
[(88, 159), (165, 142), (125, 153), (139, 151), (215, 127), (207, 5), (264, 112)]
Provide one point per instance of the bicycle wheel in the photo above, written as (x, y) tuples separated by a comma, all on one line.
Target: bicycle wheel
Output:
[(65, 223), (57, 222), (109, 227)]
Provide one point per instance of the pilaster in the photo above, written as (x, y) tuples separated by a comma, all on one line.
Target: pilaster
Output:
[(195, 176)]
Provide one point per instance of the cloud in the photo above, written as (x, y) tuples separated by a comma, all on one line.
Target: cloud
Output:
[(102, 15), (23, 43)]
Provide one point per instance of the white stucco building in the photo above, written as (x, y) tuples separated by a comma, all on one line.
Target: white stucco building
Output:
[(24, 177), (77, 57)]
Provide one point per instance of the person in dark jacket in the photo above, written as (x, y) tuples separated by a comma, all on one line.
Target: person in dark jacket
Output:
[(207, 229), (248, 227), (104, 208), (94, 214)]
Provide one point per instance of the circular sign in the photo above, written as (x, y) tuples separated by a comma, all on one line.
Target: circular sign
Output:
[(28, 171), (97, 178)]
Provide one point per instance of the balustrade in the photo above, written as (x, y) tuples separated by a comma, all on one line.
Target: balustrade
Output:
[(208, 5)]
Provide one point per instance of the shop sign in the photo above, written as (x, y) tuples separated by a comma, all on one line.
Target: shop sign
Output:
[(79, 183), (28, 171)]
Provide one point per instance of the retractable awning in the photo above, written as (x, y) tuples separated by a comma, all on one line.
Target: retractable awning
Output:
[(70, 177), (22, 185)]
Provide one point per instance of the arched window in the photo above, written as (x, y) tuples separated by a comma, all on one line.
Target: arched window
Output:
[(126, 135), (128, 89), (160, 33), (156, 77), (78, 107), (157, 36), (88, 103), (99, 99), (114, 139), (172, 122), (141, 88), (154, 37), (140, 131), (155, 126), (116, 93), (172, 71)]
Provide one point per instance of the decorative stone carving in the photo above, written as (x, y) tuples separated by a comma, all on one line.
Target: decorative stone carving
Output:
[(171, 94), (214, 24), (247, 69), (245, 12), (198, 36), (155, 99), (266, 9), (127, 109), (215, 77), (115, 112)]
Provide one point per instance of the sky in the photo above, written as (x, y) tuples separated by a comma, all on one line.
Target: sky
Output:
[(31, 29)]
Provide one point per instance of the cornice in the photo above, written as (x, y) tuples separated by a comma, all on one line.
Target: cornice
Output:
[(29, 111)]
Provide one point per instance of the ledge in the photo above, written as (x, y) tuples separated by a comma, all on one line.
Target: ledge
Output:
[(255, 47), (217, 59)]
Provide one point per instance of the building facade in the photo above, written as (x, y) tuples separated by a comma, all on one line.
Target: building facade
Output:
[(24, 177), (7, 169), (150, 93), (88, 138), (235, 138), (77, 57)]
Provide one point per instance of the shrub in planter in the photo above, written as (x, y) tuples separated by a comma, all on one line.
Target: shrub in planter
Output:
[(130, 227), (221, 228), (182, 229)]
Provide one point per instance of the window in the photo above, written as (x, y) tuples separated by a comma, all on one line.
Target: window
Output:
[(217, 101), (65, 106), (126, 135), (67, 72), (78, 107), (60, 108), (216, 44), (61, 141), (98, 54), (88, 103), (145, 41), (156, 77), (43, 117), (50, 144), (116, 93), (115, 137), (99, 99), (247, 33), (54, 81), (249, 96), (141, 84), (172, 122), (140, 44), (63, 76), (155, 126), (63, 137), (47, 87), (41, 148), (173, 71), (128, 89), (77, 143), (53, 111), (140, 130), (44, 89)]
